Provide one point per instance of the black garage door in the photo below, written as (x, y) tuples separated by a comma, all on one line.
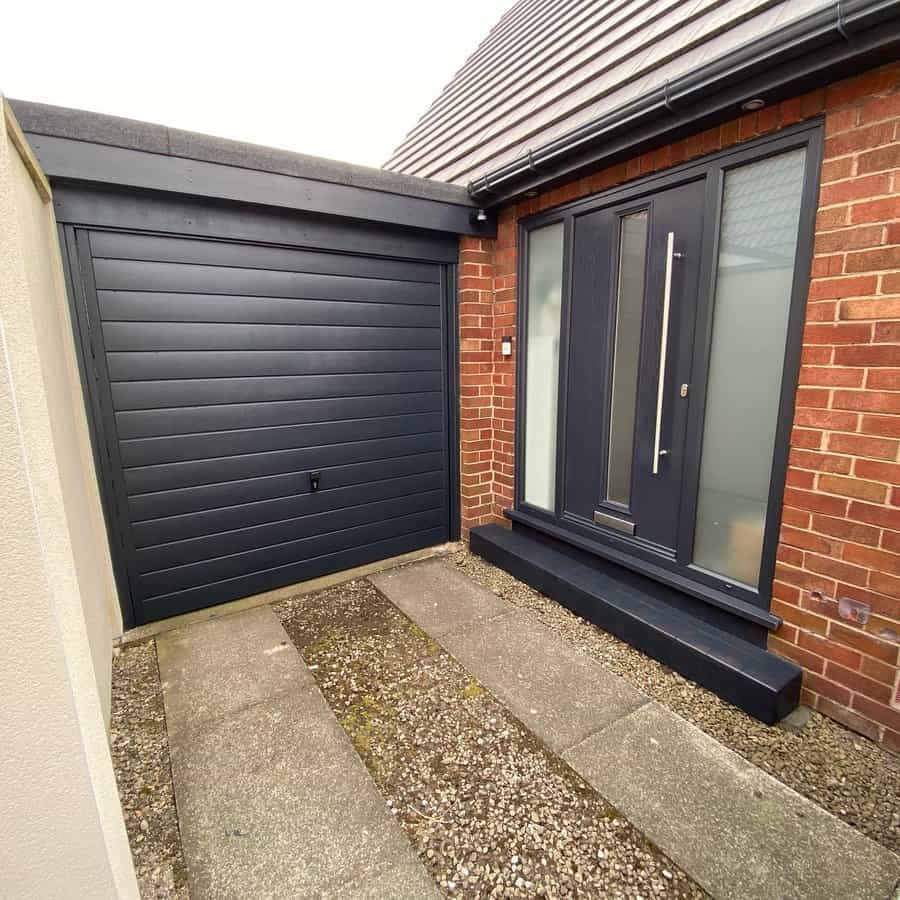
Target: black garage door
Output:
[(268, 413)]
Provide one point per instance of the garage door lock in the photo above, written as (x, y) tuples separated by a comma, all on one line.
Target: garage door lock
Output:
[(314, 481)]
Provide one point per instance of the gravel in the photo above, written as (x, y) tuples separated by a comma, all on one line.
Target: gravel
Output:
[(844, 773), (491, 811), (140, 752)]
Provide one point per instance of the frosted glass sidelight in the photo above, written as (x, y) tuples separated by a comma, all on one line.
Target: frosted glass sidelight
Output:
[(545, 267), (629, 311), (758, 243)]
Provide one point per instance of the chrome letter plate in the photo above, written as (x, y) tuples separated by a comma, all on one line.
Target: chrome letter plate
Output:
[(613, 522)]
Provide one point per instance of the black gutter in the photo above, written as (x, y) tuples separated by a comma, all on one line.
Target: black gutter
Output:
[(823, 47)]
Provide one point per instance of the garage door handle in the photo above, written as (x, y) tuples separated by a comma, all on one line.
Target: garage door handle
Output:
[(314, 481)]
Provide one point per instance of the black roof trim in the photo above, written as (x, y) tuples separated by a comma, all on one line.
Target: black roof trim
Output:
[(822, 47), (130, 134)]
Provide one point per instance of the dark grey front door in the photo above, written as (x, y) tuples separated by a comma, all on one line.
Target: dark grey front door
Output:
[(634, 301)]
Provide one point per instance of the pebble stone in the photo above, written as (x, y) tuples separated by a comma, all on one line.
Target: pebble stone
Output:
[(140, 751)]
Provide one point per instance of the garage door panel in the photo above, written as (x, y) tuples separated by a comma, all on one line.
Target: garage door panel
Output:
[(207, 547), (147, 306), (117, 245), (215, 499), (135, 395), (261, 512), (195, 574), (225, 364), (265, 580), (124, 336), (229, 371), (189, 420), (184, 448), (209, 471), (131, 275)]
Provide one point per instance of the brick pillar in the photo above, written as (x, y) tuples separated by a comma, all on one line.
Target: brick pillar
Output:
[(476, 289), (487, 313)]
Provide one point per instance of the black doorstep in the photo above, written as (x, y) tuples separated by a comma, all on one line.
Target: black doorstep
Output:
[(758, 682)]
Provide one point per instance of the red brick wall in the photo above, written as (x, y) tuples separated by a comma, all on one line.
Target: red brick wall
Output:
[(841, 523), (481, 427)]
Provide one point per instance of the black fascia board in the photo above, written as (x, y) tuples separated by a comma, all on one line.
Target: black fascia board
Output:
[(833, 43), (88, 148)]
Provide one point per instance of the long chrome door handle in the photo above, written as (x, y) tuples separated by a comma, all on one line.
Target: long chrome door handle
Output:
[(663, 349)]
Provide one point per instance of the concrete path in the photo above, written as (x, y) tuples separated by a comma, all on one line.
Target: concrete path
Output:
[(273, 801), (740, 833)]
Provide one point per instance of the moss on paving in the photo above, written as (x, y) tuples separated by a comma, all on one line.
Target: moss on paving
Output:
[(472, 689)]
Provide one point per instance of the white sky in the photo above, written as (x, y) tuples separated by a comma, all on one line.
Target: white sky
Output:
[(340, 79)]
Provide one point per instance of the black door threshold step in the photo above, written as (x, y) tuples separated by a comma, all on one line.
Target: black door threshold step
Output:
[(758, 682)]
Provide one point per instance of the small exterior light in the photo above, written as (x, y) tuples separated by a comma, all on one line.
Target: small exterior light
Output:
[(751, 105), (506, 345)]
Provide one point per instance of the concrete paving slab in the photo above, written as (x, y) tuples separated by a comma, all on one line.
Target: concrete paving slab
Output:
[(214, 668), (438, 597), (403, 881), (557, 692), (740, 833), (274, 802)]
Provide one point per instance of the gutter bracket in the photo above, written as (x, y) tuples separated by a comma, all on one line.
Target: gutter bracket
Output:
[(666, 101), (480, 189), (842, 30)]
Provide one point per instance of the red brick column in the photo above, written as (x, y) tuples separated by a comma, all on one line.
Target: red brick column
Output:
[(476, 388), (487, 314)]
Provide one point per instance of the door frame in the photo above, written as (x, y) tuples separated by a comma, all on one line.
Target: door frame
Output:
[(735, 598), (81, 210)]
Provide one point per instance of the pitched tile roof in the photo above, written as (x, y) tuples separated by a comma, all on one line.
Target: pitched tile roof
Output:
[(549, 66)]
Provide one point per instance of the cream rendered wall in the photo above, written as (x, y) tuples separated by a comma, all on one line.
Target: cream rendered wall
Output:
[(52, 330), (64, 835)]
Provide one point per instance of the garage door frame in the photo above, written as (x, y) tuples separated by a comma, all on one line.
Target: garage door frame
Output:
[(81, 209)]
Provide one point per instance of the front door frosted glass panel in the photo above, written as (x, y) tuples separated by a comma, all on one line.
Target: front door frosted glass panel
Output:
[(758, 243), (544, 304), (626, 353)]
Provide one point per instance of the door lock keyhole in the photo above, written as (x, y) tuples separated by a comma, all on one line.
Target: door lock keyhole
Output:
[(314, 478)]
